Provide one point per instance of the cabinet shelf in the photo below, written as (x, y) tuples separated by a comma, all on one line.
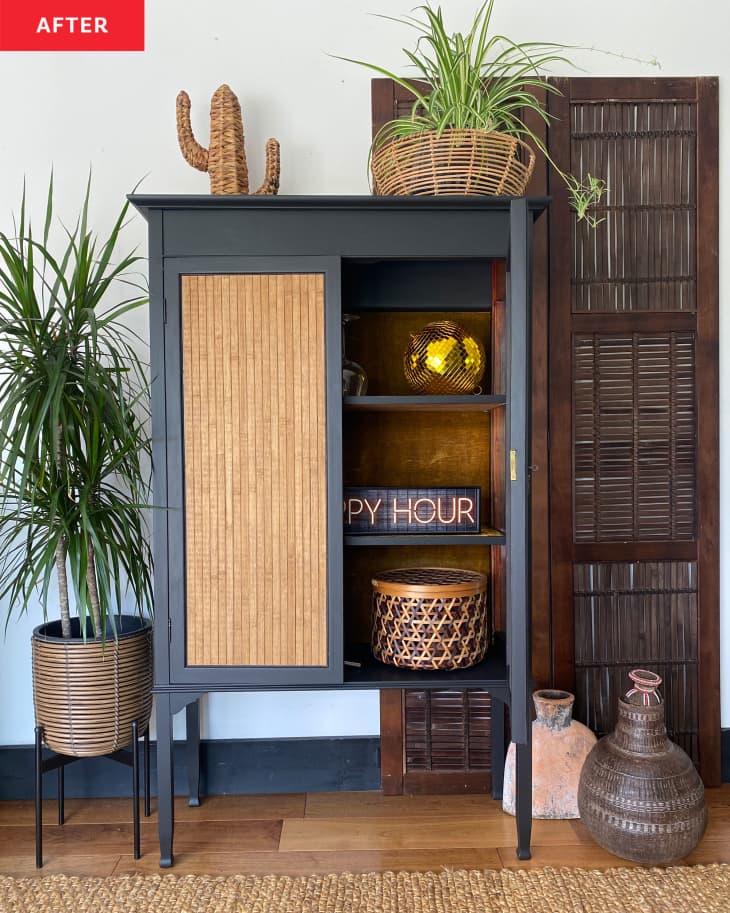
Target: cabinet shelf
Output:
[(491, 672), (480, 403), (485, 537)]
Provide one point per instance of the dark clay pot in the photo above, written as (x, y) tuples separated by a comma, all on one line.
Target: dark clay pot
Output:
[(640, 795)]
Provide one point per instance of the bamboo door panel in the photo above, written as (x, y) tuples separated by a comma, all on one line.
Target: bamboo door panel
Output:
[(253, 358)]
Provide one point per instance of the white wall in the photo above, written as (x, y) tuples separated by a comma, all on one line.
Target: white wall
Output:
[(116, 112)]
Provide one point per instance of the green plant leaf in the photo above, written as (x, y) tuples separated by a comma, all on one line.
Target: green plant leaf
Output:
[(74, 411)]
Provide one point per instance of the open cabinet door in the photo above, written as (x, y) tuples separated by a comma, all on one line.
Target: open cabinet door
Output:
[(437, 741), (634, 403)]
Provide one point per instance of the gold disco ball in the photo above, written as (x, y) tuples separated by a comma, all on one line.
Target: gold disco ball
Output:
[(444, 358)]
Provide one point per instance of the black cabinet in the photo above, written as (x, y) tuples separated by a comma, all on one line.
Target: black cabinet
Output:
[(256, 584)]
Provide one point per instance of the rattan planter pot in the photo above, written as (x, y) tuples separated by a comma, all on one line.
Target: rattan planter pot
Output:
[(430, 618), (461, 162), (87, 695)]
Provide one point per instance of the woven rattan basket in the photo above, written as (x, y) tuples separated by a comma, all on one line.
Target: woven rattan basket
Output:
[(430, 618), (87, 695), (452, 162)]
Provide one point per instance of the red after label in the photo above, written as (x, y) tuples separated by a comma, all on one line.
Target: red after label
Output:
[(65, 25)]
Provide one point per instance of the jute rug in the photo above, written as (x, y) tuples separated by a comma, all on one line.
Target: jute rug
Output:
[(696, 889)]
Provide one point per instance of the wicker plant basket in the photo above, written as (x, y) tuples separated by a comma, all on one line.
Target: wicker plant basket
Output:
[(87, 695), (430, 618), (453, 162)]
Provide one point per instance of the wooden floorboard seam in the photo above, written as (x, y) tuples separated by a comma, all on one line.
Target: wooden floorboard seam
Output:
[(314, 834)]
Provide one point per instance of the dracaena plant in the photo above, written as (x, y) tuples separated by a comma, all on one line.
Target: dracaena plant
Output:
[(74, 444), (480, 81)]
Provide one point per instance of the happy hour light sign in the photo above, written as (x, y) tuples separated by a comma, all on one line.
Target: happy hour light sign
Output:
[(411, 510)]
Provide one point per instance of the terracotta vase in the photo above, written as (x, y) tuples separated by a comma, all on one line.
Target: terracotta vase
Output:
[(560, 745), (640, 796)]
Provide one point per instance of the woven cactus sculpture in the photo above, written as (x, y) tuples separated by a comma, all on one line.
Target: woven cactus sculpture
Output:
[(225, 158)]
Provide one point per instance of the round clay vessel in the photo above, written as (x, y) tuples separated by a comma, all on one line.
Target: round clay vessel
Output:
[(560, 745), (640, 796)]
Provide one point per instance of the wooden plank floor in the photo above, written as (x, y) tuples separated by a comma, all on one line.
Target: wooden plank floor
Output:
[(313, 833)]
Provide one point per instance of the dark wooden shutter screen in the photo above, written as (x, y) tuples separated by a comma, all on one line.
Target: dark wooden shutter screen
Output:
[(633, 403)]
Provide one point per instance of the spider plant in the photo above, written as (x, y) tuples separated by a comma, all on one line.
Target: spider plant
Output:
[(74, 446), (479, 81)]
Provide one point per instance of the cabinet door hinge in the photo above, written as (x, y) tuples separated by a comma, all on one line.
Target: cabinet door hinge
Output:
[(169, 630), (164, 309), (513, 465)]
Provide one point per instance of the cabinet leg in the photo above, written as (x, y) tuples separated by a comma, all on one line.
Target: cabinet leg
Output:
[(192, 729), (135, 787), (39, 797), (498, 749), (146, 750), (61, 795), (165, 784), (523, 799)]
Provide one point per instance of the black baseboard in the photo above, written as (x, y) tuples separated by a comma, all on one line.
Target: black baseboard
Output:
[(230, 767), (226, 767)]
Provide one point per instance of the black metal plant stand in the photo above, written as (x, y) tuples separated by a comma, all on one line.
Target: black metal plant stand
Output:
[(59, 762)]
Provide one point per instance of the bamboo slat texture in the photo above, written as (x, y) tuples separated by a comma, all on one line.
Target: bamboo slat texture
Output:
[(255, 480), (637, 614), (642, 255)]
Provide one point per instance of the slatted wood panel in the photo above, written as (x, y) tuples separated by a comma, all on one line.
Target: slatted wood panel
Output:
[(449, 732), (637, 614), (633, 412), (255, 469), (634, 433), (642, 255)]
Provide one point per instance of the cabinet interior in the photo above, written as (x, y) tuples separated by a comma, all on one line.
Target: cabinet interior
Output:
[(454, 446)]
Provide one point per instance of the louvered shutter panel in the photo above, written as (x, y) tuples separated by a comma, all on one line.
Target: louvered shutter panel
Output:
[(633, 409), (437, 741), (448, 736)]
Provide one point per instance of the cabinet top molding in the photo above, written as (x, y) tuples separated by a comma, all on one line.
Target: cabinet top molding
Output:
[(148, 202)]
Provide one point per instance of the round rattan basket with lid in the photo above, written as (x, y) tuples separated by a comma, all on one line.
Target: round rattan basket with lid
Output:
[(430, 617), (461, 162)]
